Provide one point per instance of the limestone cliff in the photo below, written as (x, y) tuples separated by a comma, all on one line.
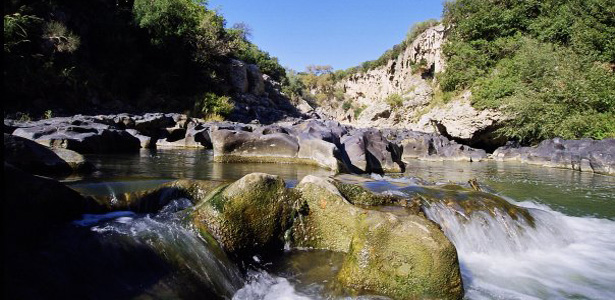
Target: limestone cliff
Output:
[(411, 75)]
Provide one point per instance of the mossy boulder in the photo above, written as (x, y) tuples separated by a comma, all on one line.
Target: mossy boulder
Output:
[(467, 201), (402, 255), (247, 216), (150, 201), (326, 219)]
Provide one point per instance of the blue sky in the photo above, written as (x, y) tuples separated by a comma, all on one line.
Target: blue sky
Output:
[(337, 33)]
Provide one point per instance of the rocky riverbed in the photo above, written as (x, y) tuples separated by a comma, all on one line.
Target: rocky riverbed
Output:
[(402, 242), (324, 143)]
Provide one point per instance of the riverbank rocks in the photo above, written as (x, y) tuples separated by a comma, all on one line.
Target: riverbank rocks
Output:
[(33, 205), (433, 147), (247, 216), (403, 256), (38, 159), (273, 144), (586, 155), (82, 136)]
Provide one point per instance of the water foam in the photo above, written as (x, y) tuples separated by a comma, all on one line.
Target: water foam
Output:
[(561, 257), (263, 286)]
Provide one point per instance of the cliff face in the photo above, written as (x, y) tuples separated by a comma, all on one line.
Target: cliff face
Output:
[(411, 76)]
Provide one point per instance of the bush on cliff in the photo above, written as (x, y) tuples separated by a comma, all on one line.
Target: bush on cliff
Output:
[(547, 64)]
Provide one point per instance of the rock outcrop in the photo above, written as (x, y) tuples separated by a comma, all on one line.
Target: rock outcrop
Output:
[(582, 155), (247, 216), (411, 77), (400, 256), (32, 157), (34, 205), (425, 146), (83, 136)]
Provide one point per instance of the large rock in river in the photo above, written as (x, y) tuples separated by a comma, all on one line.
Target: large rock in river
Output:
[(38, 159), (33, 205), (81, 136), (403, 256), (247, 216)]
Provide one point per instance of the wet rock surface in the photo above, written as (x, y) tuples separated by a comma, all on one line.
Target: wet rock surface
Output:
[(38, 159), (403, 256), (586, 155)]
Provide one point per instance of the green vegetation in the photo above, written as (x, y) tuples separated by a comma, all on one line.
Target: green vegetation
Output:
[(392, 53), (75, 56), (359, 110), (347, 105), (547, 64), (395, 101), (212, 106)]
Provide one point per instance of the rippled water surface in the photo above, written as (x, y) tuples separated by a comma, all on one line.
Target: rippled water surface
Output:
[(569, 253)]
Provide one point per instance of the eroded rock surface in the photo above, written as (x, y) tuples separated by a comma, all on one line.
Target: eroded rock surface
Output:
[(401, 256), (583, 155)]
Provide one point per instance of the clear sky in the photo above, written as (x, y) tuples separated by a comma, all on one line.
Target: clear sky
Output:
[(335, 32)]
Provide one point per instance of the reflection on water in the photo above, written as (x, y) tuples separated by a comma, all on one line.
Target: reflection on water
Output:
[(571, 192), (569, 254), (149, 168)]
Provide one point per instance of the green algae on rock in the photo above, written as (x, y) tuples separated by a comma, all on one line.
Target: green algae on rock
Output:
[(248, 215), (403, 257), (153, 200)]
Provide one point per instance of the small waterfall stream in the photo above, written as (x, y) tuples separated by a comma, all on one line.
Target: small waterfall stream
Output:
[(200, 260), (559, 257), (564, 251)]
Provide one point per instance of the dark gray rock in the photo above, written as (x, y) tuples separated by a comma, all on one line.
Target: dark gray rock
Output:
[(33, 203), (239, 76), (354, 147), (33, 157), (381, 154), (83, 139), (583, 155), (150, 124), (255, 80), (417, 145), (146, 142), (231, 145)]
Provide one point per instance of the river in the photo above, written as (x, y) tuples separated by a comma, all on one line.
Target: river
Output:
[(569, 253)]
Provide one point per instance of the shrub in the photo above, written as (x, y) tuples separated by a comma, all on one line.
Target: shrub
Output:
[(541, 62), (48, 114), (418, 28), (549, 91), (347, 105), (338, 93), (60, 38), (395, 101), (211, 105), (359, 110), (321, 97)]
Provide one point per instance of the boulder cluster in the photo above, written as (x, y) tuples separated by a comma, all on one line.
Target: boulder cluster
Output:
[(324, 143), (583, 155)]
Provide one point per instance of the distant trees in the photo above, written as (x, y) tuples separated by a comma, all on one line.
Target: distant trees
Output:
[(162, 54)]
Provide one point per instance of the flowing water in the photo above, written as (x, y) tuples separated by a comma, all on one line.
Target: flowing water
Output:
[(566, 252)]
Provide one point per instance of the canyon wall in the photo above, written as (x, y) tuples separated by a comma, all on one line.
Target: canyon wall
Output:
[(420, 106)]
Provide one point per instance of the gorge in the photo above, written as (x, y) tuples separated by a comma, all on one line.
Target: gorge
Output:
[(221, 175)]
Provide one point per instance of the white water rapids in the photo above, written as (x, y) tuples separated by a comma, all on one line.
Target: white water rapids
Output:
[(558, 257), (562, 257)]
